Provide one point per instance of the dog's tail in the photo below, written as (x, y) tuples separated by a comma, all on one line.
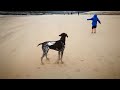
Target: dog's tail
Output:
[(39, 44)]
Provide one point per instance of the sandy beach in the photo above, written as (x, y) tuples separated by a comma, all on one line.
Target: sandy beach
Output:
[(86, 56)]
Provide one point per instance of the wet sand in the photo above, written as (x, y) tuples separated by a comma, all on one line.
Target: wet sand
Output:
[(86, 56)]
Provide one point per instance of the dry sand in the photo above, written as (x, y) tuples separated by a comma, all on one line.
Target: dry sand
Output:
[(86, 56)]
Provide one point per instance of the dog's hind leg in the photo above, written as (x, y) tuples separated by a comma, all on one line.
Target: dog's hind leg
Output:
[(42, 58), (46, 52)]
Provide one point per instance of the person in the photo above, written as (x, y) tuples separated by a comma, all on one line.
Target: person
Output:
[(94, 23), (78, 13)]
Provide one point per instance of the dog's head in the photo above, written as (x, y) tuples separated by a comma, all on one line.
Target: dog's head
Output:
[(63, 35)]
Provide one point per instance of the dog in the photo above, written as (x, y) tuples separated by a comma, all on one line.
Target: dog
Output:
[(58, 45)]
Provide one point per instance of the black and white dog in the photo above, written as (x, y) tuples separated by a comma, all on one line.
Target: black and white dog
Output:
[(58, 45)]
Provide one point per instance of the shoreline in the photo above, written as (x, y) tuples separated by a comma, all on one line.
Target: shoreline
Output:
[(59, 13)]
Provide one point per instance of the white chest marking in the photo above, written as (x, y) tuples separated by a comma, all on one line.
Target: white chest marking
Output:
[(51, 43)]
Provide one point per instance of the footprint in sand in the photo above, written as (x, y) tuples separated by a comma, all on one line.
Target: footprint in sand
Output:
[(61, 65), (38, 67), (77, 70), (68, 77), (118, 56), (101, 58), (82, 60), (17, 76), (27, 75), (95, 69)]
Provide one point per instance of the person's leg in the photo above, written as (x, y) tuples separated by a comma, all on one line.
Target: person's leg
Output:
[(94, 30)]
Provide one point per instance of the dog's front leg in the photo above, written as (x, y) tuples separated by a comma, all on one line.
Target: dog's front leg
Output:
[(58, 55), (62, 56)]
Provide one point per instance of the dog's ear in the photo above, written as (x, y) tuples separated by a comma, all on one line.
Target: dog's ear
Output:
[(66, 35)]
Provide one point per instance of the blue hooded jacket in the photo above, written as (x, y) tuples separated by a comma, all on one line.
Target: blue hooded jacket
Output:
[(94, 20)]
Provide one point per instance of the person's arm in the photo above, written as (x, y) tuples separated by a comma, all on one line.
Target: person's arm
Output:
[(90, 19), (98, 20)]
